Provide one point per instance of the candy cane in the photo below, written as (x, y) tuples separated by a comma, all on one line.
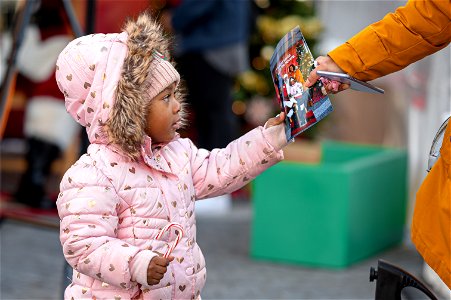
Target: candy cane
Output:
[(179, 236)]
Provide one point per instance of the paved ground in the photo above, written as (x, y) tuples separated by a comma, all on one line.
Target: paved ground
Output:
[(32, 265)]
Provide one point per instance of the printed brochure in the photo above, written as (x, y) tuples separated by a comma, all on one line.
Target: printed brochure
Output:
[(290, 65)]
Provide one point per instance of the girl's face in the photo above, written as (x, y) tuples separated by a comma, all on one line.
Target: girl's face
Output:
[(163, 118)]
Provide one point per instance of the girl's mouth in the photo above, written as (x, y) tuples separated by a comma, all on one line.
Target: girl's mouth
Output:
[(176, 125)]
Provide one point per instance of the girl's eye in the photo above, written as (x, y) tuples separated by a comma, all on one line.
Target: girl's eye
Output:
[(167, 98)]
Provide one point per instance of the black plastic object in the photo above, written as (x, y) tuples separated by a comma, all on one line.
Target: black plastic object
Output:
[(392, 279)]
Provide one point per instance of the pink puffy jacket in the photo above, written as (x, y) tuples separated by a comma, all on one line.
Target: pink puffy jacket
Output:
[(111, 206)]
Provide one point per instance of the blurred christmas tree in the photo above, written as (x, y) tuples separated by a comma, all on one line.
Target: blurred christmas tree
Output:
[(254, 93)]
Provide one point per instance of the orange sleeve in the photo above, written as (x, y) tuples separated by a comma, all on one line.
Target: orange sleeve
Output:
[(412, 32)]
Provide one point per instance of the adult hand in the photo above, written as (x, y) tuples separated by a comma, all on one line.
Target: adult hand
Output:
[(276, 120), (325, 63), (157, 268)]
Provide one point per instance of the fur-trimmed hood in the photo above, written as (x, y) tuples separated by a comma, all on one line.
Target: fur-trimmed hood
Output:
[(103, 78)]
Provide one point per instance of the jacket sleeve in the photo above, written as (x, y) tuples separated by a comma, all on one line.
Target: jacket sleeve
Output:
[(414, 31), (88, 206), (225, 170)]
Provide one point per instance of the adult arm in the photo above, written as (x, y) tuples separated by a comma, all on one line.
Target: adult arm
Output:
[(414, 31)]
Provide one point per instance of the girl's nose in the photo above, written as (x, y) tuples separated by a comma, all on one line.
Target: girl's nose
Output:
[(177, 106)]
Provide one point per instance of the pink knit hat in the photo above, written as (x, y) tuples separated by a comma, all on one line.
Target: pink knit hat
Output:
[(161, 74)]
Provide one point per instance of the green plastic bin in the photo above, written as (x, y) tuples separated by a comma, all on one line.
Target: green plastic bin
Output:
[(348, 207)]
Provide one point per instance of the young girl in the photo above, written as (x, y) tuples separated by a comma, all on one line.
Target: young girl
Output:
[(126, 204)]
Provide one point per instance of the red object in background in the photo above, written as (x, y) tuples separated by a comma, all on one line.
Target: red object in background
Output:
[(111, 15), (52, 21), (19, 212), (15, 125)]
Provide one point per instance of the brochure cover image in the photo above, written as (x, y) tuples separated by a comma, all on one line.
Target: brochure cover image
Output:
[(290, 65)]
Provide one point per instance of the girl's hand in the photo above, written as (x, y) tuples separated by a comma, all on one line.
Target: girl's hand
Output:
[(157, 268), (276, 120)]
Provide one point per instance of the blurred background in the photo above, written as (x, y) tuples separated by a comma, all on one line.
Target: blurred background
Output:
[(352, 177)]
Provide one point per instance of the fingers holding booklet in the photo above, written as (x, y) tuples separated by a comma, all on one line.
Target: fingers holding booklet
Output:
[(290, 65), (349, 81), (335, 80)]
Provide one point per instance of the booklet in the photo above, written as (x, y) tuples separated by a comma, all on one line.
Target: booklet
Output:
[(290, 65)]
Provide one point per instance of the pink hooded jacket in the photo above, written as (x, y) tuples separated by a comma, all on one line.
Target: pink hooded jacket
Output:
[(115, 199)]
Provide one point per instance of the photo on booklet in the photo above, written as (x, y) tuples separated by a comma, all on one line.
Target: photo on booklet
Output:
[(290, 65)]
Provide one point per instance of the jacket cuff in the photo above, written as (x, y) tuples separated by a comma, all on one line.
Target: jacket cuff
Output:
[(139, 265), (275, 135), (346, 57)]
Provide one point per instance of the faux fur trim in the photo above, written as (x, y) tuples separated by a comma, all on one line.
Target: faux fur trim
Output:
[(127, 122)]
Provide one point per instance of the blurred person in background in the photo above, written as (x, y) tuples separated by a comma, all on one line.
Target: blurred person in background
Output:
[(211, 49), (418, 29), (48, 130)]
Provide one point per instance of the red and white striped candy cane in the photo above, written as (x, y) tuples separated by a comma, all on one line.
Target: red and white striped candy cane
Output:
[(177, 239)]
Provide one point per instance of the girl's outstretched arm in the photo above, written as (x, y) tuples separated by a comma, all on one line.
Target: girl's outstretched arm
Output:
[(223, 171)]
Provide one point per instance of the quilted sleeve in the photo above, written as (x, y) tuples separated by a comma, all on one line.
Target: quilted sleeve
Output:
[(88, 208), (225, 170)]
